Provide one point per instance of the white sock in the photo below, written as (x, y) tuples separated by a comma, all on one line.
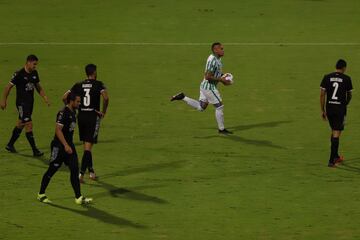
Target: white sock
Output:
[(193, 103), (219, 114)]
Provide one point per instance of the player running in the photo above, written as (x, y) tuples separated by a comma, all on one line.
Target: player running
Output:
[(63, 150), (89, 115), (208, 90), (335, 90), (25, 80)]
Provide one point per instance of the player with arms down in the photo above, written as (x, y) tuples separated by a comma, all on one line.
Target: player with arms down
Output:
[(89, 115), (335, 95), (63, 150), (26, 80)]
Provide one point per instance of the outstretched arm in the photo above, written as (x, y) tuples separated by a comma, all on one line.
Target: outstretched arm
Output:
[(41, 92), (5, 95)]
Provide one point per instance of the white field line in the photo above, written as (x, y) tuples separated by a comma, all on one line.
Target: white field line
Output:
[(180, 44)]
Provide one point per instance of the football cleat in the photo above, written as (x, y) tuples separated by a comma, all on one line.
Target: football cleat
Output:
[(37, 153), (11, 149), (81, 178), (225, 131), (83, 200), (339, 159), (331, 164), (92, 176), (43, 198), (179, 96)]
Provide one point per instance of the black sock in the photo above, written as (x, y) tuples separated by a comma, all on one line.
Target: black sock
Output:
[(334, 149), (74, 177), (47, 177), (86, 162), (90, 165), (30, 138), (15, 135)]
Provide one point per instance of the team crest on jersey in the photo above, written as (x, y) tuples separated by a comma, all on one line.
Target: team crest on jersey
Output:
[(29, 87), (72, 126)]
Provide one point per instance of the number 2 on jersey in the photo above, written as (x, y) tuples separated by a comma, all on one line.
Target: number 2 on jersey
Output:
[(87, 97), (336, 87)]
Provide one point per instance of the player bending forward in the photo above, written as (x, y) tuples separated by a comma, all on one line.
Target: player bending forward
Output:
[(208, 91)]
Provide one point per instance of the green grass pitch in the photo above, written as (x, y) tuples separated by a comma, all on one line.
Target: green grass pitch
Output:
[(164, 171)]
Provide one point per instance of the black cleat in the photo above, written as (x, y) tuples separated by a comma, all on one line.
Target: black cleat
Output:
[(225, 131), (11, 149), (37, 153), (331, 164), (179, 96)]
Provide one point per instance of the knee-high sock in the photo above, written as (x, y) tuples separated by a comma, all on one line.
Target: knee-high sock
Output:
[(219, 114), (193, 103), (47, 177), (334, 149), (90, 165), (15, 135), (31, 139), (86, 161), (74, 176)]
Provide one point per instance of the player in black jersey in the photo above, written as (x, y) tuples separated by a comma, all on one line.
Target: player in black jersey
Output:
[(63, 150), (335, 95), (25, 80), (89, 115)]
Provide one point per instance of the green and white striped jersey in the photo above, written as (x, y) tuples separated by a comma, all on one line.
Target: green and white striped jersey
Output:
[(213, 65)]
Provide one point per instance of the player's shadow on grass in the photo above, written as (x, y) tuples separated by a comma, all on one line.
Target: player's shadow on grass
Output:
[(131, 194), (348, 167), (258, 125), (101, 215), (263, 143), (146, 168)]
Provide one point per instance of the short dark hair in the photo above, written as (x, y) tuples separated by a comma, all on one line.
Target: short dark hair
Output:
[(90, 69), (214, 44), (71, 97), (340, 64), (31, 58)]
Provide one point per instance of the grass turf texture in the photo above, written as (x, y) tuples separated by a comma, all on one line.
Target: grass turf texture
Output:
[(164, 171)]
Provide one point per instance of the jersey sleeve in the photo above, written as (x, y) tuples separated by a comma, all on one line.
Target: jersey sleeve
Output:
[(102, 87), (60, 118), (14, 79), (210, 66), (349, 86), (323, 83), (37, 79), (75, 88)]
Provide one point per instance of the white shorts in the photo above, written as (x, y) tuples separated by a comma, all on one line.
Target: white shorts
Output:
[(210, 96)]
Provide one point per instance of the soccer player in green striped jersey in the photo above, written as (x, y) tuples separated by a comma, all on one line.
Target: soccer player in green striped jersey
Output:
[(208, 87)]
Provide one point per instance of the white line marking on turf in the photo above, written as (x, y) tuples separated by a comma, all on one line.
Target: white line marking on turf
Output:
[(180, 44)]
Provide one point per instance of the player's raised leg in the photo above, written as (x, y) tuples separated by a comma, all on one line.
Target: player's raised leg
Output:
[(198, 105)]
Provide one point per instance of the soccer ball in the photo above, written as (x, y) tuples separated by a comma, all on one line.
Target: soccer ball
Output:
[(229, 77)]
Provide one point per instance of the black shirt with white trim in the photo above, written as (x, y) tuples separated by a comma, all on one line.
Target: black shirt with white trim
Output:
[(67, 119), (336, 85), (89, 91), (25, 84)]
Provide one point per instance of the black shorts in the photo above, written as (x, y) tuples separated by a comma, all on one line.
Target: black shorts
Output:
[(336, 120), (25, 112), (59, 156), (89, 125)]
